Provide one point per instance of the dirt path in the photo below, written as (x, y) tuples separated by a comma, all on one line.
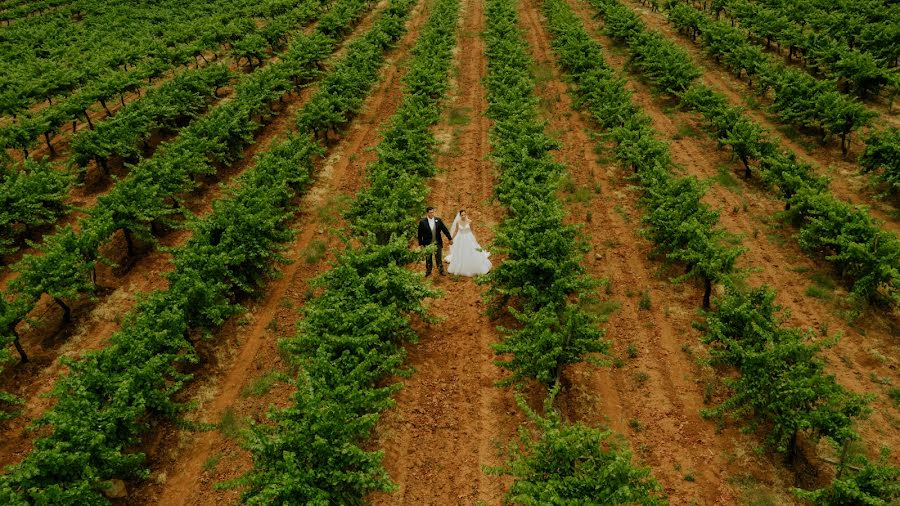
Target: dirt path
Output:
[(95, 322), (847, 183), (96, 111), (877, 103), (244, 354), (450, 415), (654, 394), (866, 357), (84, 196)]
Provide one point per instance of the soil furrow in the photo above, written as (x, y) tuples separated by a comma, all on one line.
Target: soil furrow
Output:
[(450, 416), (94, 325), (654, 394), (846, 181), (245, 353)]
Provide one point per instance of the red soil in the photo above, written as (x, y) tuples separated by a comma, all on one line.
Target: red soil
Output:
[(847, 183), (450, 419), (186, 465)]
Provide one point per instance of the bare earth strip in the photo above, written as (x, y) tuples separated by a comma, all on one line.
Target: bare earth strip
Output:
[(865, 358), (846, 182), (188, 464), (450, 417)]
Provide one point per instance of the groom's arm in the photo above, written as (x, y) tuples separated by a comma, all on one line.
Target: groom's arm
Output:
[(446, 232), (420, 235)]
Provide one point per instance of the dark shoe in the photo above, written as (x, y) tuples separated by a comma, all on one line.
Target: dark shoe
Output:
[(441, 273), (428, 274)]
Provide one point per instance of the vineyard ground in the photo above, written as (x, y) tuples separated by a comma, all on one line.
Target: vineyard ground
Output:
[(450, 418), (94, 323), (846, 182), (244, 355)]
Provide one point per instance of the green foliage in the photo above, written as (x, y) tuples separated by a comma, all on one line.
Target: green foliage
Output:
[(645, 303), (681, 227), (841, 117), (353, 331), (390, 205), (107, 400), (741, 321), (349, 338), (109, 392), (542, 274), (163, 108), (149, 195), (666, 65), (799, 98), (874, 484), (850, 238), (339, 97), (864, 70), (559, 463), (80, 65), (312, 455), (747, 141), (544, 262), (547, 340), (882, 157), (783, 385), (29, 197), (61, 269), (845, 235)]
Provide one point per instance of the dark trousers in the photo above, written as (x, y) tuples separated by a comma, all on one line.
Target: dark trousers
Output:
[(440, 261)]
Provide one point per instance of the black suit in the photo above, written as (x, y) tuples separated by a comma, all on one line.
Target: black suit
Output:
[(426, 237)]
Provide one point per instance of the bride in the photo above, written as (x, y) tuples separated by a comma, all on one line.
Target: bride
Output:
[(466, 257)]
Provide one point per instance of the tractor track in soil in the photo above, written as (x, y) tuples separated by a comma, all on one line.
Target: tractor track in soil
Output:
[(868, 345), (186, 464), (94, 325), (846, 184), (450, 416)]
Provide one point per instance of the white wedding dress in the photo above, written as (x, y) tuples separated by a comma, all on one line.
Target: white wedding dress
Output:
[(466, 257)]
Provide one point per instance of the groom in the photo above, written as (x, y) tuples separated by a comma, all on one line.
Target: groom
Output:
[(430, 228)]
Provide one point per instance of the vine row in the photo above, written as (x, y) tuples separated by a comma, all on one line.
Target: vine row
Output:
[(147, 200), (105, 402), (542, 275), (845, 235), (352, 331), (783, 389), (800, 99)]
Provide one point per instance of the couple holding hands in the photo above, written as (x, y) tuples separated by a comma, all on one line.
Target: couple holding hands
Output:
[(466, 257)]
